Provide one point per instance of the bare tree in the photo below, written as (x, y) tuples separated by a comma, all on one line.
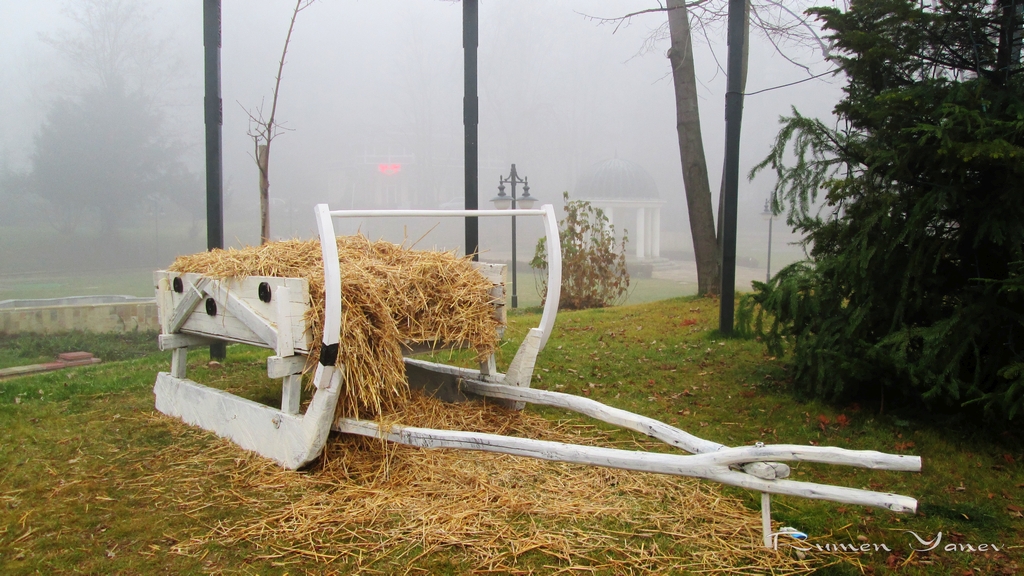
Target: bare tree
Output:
[(263, 130), (783, 27)]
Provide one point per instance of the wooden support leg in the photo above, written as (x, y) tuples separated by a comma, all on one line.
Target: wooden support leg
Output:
[(179, 360), (766, 518), (488, 369), (290, 394)]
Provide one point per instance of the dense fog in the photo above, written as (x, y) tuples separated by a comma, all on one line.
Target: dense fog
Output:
[(371, 97)]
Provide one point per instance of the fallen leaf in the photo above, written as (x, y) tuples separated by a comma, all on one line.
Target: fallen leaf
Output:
[(1008, 458), (842, 420)]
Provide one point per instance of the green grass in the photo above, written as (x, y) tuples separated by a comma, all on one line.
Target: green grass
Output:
[(23, 349), (641, 290), (78, 451)]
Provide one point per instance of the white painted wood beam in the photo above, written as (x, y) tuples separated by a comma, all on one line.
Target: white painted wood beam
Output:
[(253, 321), (708, 466), (291, 440), (285, 343), (172, 341), (291, 393), (618, 417), (193, 296), (278, 367), (179, 362)]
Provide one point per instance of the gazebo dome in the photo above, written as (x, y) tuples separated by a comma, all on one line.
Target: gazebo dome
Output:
[(616, 179)]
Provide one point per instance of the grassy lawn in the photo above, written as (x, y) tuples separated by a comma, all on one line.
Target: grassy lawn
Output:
[(641, 290), (94, 481), (24, 349)]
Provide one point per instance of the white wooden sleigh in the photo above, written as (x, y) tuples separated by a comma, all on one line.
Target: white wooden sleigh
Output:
[(269, 312)]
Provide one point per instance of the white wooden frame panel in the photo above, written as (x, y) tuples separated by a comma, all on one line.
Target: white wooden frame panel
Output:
[(293, 441), (241, 315)]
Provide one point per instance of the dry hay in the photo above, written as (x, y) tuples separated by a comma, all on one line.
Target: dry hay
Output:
[(375, 507), (391, 295)]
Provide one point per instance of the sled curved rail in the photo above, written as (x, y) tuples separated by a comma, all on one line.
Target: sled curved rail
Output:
[(332, 271)]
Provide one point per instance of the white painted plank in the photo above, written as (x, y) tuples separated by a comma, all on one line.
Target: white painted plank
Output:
[(496, 273), (179, 362), (676, 437), (285, 345), (193, 295), (291, 391), (649, 426), (493, 272), (435, 213), (293, 441), (766, 519), (230, 304), (554, 250), (172, 341), (278, 367), (289, 293), (708, 466), (222, 327), (520, 370), (332, 274), (164, 308), (466, 373), (488, 369), (668, 434)]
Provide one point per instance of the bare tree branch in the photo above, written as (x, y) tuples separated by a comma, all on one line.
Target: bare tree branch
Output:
[(263, 130)]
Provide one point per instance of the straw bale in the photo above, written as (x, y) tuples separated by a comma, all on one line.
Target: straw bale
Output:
[(391, 296)]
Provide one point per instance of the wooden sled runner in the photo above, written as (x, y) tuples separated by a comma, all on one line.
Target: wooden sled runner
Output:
[(269, 312)]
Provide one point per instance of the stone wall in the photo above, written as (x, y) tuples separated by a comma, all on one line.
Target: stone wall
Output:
[(119, 317)]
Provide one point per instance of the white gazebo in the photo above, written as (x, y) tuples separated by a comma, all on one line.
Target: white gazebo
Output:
[(623, 189)]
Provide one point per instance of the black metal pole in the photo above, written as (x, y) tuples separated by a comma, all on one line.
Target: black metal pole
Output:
[(733, 118), (213, 112), (470, 120), (515, 294)]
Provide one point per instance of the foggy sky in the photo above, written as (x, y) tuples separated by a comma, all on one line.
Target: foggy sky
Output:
[(558, 92)]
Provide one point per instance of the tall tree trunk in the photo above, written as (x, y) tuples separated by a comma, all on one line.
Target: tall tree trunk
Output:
[(263, 161), (691, 150)]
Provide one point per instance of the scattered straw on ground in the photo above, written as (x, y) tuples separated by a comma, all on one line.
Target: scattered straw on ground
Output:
[(371, 506), (390, 296)]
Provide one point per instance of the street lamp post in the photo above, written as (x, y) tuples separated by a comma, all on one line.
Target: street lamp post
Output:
[(503, 202), (767, 215)]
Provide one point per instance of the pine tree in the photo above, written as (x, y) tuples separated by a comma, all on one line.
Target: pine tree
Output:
[(912, 289)]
